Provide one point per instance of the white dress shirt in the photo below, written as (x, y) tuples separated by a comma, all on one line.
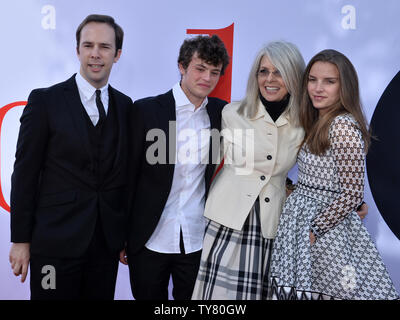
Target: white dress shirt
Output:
[(185, 205), (88, 97)]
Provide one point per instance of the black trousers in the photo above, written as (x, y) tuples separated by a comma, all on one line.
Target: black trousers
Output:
[(150, 273), (90, 277)]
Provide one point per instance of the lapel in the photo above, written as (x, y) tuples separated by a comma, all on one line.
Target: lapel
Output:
[(283, 119), (167, 123), (76, 110), (215, 121), (262, 113), (120, 117), (214, 112)]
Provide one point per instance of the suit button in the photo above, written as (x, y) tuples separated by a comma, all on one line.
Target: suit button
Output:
[(262, 177), (269, 157), (266, 199)]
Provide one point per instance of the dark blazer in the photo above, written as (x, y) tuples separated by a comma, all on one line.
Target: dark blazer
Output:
[(55, 200), (151, 183)]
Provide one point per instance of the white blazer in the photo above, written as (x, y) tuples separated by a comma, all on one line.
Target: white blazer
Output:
[(258, 153)]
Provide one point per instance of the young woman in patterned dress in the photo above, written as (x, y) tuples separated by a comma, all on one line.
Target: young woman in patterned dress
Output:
[(247, 195), (322, 250)]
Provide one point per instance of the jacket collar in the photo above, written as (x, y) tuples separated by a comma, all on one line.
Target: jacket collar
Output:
[(262, 113)]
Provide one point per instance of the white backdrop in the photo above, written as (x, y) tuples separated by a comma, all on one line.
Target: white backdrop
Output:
[(38, 50)]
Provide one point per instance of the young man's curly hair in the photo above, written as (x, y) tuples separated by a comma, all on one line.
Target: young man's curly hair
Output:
[(210, 49)]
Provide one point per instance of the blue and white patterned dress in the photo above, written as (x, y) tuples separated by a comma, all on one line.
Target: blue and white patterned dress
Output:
[(343, 263)]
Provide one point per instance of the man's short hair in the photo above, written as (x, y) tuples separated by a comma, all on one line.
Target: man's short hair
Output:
[(210, 49), (119, 33)]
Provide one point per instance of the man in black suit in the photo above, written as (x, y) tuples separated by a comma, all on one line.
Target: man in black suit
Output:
[(172, 169), (69, 184)]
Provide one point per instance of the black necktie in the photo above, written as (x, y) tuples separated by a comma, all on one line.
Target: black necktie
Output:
[(100, 107)]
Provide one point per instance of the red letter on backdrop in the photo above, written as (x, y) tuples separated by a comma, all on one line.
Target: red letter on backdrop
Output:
[(223, 88), (3, 112)]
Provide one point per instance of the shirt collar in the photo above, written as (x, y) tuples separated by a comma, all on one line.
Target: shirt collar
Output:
[(86, 88), (182, 101)]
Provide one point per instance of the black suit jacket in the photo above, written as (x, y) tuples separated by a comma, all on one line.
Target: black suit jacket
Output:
[(55, 199), (151, 183)]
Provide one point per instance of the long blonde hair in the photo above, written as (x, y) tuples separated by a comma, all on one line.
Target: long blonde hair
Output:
[(317, 128)]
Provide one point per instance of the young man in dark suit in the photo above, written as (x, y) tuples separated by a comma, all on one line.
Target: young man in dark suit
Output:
[(172, 169), (69, 185)]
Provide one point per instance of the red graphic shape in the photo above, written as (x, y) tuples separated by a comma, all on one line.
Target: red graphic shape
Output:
[(3, 112), (224, 86)]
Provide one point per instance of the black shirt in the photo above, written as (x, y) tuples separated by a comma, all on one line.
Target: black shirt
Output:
[(275, 108)]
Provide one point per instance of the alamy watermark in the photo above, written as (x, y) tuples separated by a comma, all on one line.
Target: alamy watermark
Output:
[(192, 146), (49, 280)]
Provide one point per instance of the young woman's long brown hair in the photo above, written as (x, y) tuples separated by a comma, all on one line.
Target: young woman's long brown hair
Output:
[(316, 127)]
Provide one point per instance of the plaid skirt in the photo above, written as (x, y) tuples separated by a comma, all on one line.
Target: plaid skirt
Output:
[(234, 264)]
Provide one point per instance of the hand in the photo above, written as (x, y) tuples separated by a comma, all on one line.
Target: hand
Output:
[(19, 259), (362, 213), (312, 238), (288, 192), (290, 187), (123, 258)]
